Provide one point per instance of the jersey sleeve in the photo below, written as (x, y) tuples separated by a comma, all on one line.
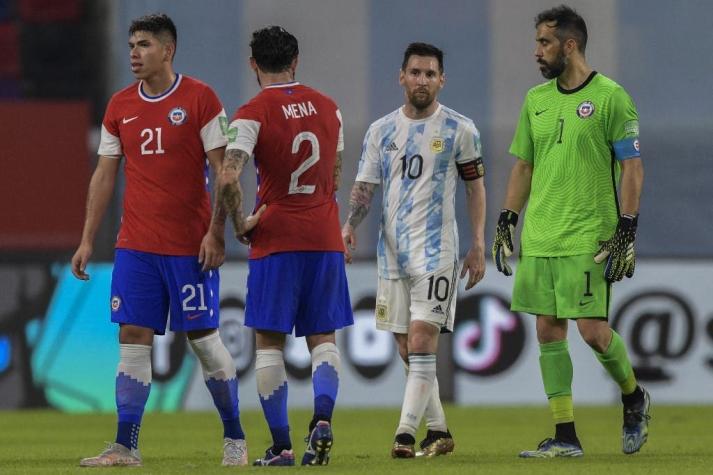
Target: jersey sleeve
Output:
[(243, 131), (522, 146), (340, 138), (468, 147), (369, 166), (211, 111), (623, 125), (110, 144)]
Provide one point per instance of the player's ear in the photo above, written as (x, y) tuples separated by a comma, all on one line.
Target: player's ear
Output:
[(169, 51), (443, 80), (293, 65), (253, 64), (570, 46), (402, 76)]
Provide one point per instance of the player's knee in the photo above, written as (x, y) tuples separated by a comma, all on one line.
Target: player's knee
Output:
[(133, 335), (596, 340), (596, 334), (549, 330), (423, 338)]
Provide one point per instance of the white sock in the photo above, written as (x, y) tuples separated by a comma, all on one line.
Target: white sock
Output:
[(214, 357), (135, 362), (434, 414), (419, 386), (269, 371)]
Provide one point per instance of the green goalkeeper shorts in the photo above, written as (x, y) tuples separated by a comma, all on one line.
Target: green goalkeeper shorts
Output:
[(565, 287)]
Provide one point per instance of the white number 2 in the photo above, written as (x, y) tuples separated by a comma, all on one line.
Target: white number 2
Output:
[(311, 160), (148, 133)]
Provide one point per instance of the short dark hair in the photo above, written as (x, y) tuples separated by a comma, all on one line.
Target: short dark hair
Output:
[(422, 49), (568, 24), (274, 49), (156, 23)]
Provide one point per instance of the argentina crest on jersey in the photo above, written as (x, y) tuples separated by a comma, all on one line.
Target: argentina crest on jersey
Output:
[(177, 116)]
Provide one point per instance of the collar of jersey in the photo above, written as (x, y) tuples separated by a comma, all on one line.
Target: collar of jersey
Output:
[(282, 84), (578, 88), (435, 113), (164, 94)]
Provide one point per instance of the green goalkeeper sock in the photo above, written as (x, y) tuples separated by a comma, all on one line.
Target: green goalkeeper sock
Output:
[(556, 367), (616, 361)]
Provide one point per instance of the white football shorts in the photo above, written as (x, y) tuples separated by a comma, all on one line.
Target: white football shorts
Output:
[(429, 297)]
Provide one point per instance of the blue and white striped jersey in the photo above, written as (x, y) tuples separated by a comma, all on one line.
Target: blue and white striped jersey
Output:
[(415, 161)]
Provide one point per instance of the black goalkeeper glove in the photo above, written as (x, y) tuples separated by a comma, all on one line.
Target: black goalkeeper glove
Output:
[(502, 246), (619, 250)]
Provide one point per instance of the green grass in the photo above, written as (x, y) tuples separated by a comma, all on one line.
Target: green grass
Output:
[(487, 441)]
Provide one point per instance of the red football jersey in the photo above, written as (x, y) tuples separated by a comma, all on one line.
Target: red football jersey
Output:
[(294, 133), (164, 139)]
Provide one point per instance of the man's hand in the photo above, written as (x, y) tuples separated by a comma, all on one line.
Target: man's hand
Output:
[(474, 266), (502, 246), (249, 224), (350, 242), (212, 251), (80, 261), (619, 250)]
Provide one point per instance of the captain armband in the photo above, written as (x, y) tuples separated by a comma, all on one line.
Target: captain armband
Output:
[(472, 170)]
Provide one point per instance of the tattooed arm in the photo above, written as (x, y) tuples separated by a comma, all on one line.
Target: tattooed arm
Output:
[(338, 171), (229, 195), (359, 203)]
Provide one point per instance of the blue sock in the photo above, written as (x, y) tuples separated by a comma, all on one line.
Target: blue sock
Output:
[(326, 363), (225, 397), (274, 407), (325, 382), (272, 390), (221, 380), (131, 397)]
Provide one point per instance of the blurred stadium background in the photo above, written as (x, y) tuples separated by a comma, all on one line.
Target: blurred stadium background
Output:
[(60, 60)]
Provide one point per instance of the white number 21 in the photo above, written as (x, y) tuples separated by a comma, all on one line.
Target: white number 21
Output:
[(148, 133)]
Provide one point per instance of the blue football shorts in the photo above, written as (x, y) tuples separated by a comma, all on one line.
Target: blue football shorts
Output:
[(304, 290), (146, 286)]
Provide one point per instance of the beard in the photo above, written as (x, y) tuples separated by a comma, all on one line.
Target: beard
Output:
[(555, 68), (420, 98)]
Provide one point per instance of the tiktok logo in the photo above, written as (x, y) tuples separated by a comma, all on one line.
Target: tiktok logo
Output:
[(488, 337)]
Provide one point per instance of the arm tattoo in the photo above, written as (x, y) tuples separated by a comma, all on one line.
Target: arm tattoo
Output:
[(359, 202), (338, 171), (219, 212), (230, 195)]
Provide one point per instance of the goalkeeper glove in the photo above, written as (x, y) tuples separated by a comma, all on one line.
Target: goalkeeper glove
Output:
[(502, 246), (619, 250)]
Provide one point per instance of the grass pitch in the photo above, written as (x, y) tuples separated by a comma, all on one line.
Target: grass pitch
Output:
[(487, 441)]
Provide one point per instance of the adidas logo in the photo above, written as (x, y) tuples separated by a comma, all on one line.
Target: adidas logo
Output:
[(392, 147), (437, 309)]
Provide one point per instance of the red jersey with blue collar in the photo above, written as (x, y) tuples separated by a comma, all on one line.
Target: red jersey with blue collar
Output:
[(164, 140)]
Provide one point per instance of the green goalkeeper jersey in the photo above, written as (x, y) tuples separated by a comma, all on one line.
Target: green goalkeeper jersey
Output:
[(574, 140)]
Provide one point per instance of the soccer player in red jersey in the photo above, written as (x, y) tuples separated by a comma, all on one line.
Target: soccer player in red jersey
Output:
[(297, 277), (168, 128)]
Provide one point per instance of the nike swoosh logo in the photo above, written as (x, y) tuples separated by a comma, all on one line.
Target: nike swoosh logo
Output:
[(193, 317), (126, 121), (540, 112), (582, 304)]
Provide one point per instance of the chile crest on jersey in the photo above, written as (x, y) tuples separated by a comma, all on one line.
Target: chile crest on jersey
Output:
[(177, 116)]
